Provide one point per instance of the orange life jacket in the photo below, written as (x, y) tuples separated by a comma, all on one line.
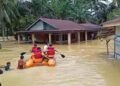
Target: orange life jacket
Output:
[(51, 52)]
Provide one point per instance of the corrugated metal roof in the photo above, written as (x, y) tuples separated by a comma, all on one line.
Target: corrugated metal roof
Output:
[(62, 24), (89, 26), (66, 25), (114, 22)]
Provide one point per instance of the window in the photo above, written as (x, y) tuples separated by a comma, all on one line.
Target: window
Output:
[(64, 37)]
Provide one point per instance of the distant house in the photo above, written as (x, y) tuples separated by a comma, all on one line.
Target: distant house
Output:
[(58, 31), (115, 23)]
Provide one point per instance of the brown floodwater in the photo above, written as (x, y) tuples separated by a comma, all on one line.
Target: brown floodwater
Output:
[(86, 64)]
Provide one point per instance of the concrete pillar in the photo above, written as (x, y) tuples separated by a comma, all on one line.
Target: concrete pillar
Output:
[(18, 37), (86, 36), (33, 38), (69, 38), (50, 38), (78, 37)]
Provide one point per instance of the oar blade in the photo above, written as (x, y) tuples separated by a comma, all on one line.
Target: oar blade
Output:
[(22, 53), (63, 56)]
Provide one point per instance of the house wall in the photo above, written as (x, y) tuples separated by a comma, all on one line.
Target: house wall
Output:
[(42, 26), (56, 38), (117, 30), (117, 42), (48, 27), (82, 36), (41, 38), (38, 26)]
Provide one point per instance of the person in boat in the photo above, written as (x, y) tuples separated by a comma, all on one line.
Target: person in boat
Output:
[(51, 51), (34, 48), (51, 55), (45, 48), (21, 63), (37, 56), (35, 60), (49, 58)]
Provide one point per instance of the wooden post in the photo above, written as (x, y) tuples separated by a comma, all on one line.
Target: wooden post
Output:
[(86, 36), (107, 44), (33, 38), (78, 37), (50, 38), (69, 38), (115, 44), (18, 36), (3, 34), (60, 38), (115, 56)]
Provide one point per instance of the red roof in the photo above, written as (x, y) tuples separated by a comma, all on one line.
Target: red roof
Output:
[(89, 26), (62, 24), (111, 23)]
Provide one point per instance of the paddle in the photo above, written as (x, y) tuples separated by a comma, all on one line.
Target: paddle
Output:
[(62, 55), (22, 53)]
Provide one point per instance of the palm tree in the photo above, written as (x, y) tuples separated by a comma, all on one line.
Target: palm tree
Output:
[(80, 9), (8, 12), (116, 2), (39, 7), (60, 8), (99, 11)]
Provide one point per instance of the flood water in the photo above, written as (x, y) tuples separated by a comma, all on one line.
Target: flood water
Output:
[(86, 64)]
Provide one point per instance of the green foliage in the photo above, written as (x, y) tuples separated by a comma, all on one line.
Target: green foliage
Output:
[(115, 13), (39, 7), (16, 15), (8, 12)]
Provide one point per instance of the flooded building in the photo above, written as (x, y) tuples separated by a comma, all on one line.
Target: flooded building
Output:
[(58, 31), (115, 23)]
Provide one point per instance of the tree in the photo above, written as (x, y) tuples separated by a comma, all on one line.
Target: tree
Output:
[(8, 12), (80, 10), (60, 8), (26, 17), (15, 15), (115, 12), (39, 7)]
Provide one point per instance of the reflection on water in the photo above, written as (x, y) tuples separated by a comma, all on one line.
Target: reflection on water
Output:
[(86, 64)]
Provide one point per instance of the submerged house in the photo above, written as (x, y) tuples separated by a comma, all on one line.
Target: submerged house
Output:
[(115, 23), (58, 31)]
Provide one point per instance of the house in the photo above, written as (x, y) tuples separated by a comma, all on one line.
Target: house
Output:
[(115, 23), (58, 31)]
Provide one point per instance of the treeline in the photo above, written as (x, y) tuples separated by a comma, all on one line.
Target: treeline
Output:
[(16, 15)]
